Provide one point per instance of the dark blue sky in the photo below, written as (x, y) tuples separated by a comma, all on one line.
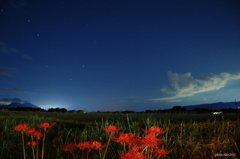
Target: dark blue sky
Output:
[(119, 55)]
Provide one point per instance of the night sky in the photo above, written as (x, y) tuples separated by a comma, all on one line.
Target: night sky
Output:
[(119, 54)]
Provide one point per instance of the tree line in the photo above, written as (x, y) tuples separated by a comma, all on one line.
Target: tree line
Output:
[(173, 110)]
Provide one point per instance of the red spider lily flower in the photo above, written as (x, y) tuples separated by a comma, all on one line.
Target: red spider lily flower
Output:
[(21, 127), (84, 145), (45, 126), (127, 138), (69, 147), (111, 129), (96, 145), (137, 143), (155, 129), (151, 140), (33, 143), (31, 131), (38, 135), (133, 155), (160, 152)]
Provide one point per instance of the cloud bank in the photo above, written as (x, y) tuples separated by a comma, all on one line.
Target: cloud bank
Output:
[(7, 101), (6, 71), (7, 50), (12, 100), (15, 90), (184, 85)]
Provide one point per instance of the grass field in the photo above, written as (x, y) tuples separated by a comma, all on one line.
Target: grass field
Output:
[(188, 135)]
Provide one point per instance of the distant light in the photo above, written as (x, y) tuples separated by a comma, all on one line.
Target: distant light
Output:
[(216, 113)]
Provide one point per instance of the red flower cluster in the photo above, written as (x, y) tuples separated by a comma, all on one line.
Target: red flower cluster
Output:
[(84, 145), (160, 152), (69, 147), (45, 126), (31, 131), (112, 129), (156, 130), (21, 127), (33, 143), (37, 134), (133, 155), (25, 128), (138, 145), (95, 145), (127, 138), (151, 140)]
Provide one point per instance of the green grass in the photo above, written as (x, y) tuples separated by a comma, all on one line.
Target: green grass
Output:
[(189, 136)]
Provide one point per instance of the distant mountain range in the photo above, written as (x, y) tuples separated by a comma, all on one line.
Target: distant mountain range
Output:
[(18, 104), (215, 106), (212, 106)]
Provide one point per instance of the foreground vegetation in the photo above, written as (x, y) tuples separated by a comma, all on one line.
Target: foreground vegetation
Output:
[(188, 136)]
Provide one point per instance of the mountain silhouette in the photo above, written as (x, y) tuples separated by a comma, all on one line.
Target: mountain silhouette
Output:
[(18, 104), (214, 106)]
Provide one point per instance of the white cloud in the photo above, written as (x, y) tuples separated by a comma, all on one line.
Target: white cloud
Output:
[(4, 103), (184, 85)]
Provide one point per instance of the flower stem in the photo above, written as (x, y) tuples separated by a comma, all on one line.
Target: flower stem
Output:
[(43, 142), (24, 154), (109, 139), (37, 150), (73, 155), (33, 153)]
